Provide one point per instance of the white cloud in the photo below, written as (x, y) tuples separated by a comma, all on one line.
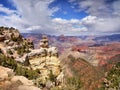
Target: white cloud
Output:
[(60, 21), (75, 21), (29, 13), (35, 16), (69, 27), (95, 7), (6, 10), (103, 17), (32, 28), (104, 25), (89, 20), (35, 11)]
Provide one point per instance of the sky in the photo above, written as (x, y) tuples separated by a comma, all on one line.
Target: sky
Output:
[(62, 17)]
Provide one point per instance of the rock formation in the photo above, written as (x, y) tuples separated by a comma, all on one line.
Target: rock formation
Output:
[(12, 44), (44, 42), (45, 59)]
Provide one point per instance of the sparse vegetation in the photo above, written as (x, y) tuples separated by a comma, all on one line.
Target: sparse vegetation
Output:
[(71, 83), (52, 77), (1, 51), (72, 58), (8, 62), (28, 73), (23, 49), (14, 39), (18, 69), (112, 80), (10, 52)]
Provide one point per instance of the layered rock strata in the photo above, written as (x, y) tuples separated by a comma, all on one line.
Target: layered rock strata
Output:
[(45, 59)]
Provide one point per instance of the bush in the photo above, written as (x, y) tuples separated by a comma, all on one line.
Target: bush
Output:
[(8, 62), (72, 58), (22, 50), (10, 52), (52, 77), (18, 69), (74, 82), (14, 39), (112, 78), (30, 74), (71, 83)]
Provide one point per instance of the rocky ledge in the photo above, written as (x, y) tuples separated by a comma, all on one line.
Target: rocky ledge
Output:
[(8, 81), (44, 60)]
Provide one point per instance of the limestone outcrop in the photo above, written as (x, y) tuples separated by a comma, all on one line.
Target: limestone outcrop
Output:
[(44, 42), (12, 44), (45, 59)]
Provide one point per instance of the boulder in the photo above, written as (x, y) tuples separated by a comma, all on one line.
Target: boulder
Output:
[(21, 59), (44, 42), (6, 41), (11, 43), (53, 51), (37, 52), (23, 87), (4, 72), (60, 78), (16, 34), (49, 84), (22, 79)]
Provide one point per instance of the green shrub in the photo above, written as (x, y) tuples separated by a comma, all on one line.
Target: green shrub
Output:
[(113, 78), (71, 83), (8, 62), (52, 77), (18, 69), (1, 51), (22, 50), (72, 58), (10, 52), (30, 74), (14, 39), (74, 82)]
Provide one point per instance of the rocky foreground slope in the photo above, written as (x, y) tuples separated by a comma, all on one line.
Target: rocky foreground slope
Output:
[(41, 65), (8, 81)]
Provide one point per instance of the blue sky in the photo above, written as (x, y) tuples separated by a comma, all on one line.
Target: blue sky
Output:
[(56, 17), (67, 10)]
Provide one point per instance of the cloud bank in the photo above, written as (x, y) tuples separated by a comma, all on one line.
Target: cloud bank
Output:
[(35, 16), (104, 15)]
